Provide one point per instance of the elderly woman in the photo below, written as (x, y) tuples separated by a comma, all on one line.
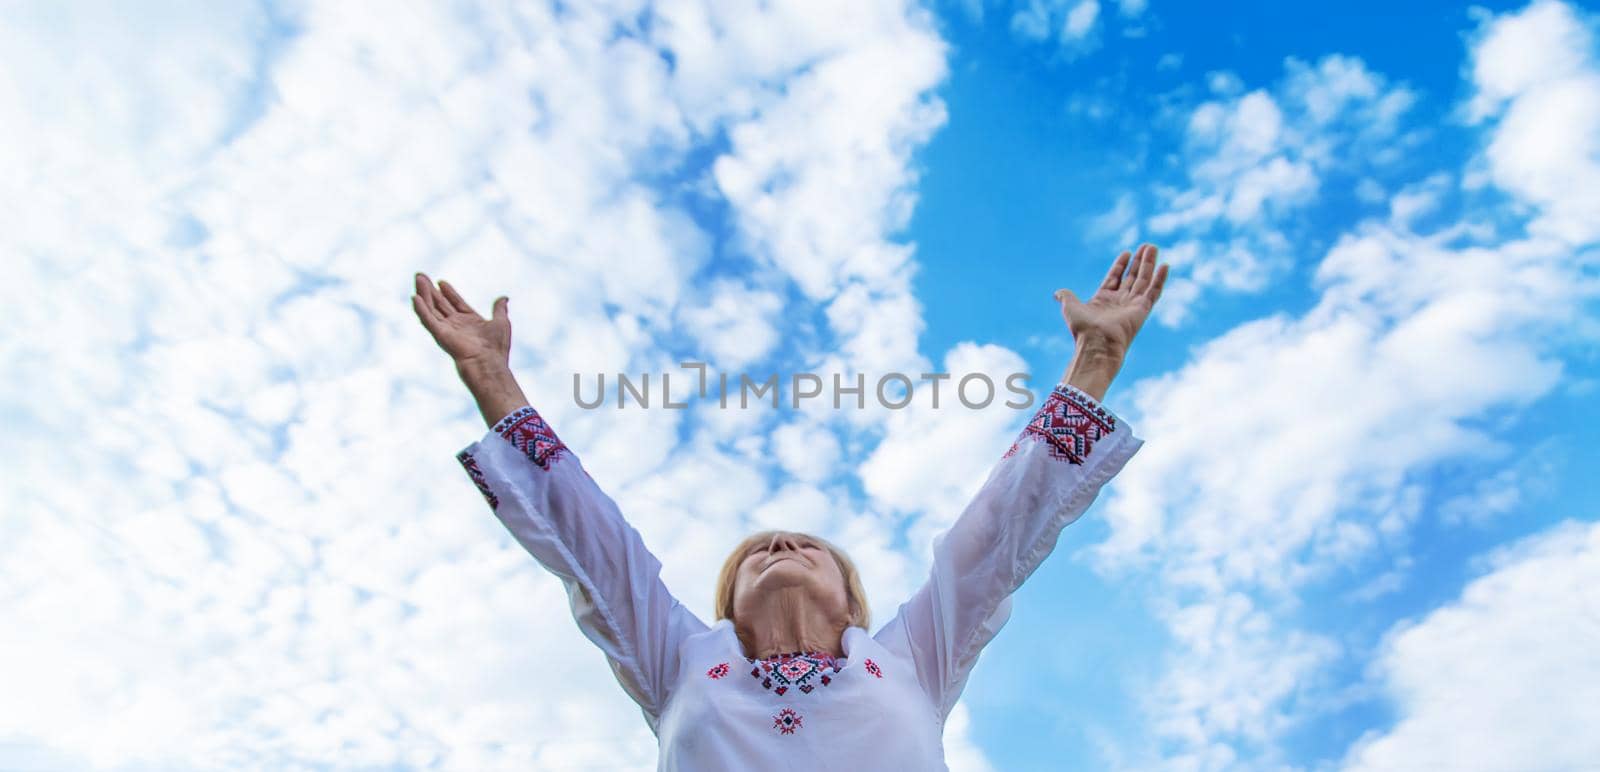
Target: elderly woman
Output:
[(788, 676)]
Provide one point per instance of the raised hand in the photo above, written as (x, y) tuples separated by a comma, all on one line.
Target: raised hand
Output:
[(1119, 307), (467, 337)]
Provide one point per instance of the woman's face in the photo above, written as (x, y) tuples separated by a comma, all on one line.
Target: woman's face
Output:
[(789, 560)]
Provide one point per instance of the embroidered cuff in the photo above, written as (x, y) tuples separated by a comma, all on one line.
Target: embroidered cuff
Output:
[(1070, 422), (528, 431), (471, 465)]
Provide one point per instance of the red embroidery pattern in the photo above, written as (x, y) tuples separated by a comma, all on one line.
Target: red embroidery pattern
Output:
[(529, 432), (718, 671), (797, 670), (872, 667), (1070, 422), (471, 465), (786, 721)]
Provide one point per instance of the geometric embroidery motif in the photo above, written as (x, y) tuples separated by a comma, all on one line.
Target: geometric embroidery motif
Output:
[(800, 670), (786, 721), (529, 432), (471, 465), (1070, 422)]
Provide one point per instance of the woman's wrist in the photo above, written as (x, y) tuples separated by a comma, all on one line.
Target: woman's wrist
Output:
[(1094, 365), (482, 367), (493, 386), (1099, 345)]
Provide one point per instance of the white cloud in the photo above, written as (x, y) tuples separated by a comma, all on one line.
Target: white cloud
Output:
[(1330, 421), (1370, 191), (824, 172), (1521, 52), (736, 325), (1235, 660), (798, 506), (1539, 88), (1279, 511), (1254, 160), (1507, 490), (1069, 23), (1080, 20), (806, 450), (1224, 83), (879, 327), (221, 211), (1416, 200), (961, 755), (1281, 181), (1033, 22), (1119, 223), (1504, 677), (931, 460)]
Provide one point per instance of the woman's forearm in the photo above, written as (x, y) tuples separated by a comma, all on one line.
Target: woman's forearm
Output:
[(1094, 365), (494, 387)]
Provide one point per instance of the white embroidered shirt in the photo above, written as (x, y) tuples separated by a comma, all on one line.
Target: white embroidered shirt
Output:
[(884, 704)]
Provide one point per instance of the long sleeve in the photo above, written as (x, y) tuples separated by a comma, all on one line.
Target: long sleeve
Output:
[(1048, 478), (542, 494)]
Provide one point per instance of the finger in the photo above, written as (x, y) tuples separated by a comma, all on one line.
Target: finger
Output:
[(441, 307), (430, 297), (499, 309), (456, 301), (1142, 269), (1161, 281), (1150, 271), (425, 313), (1125, 282), (1113, 278)]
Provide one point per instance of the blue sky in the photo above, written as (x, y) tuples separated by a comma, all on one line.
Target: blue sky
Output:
[(1048, 168), (1360, 535)]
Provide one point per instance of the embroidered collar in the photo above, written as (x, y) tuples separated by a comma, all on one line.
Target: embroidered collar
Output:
[(804, 672), (820, 658), (801, 670)]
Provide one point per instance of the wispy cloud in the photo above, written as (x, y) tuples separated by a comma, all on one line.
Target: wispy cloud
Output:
[(235, 535), (1293, 445), (238, 537), (1254, 161)]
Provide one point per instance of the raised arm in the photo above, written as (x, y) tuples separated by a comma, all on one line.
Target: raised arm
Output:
[(540, 491), (1053, 472)]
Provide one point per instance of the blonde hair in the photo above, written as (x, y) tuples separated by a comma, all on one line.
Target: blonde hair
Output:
[(860, 615)]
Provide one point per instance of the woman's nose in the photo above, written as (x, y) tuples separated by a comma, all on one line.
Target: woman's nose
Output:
[(784, 541)]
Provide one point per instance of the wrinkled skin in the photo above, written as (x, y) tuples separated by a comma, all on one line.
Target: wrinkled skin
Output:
[(789, 595)]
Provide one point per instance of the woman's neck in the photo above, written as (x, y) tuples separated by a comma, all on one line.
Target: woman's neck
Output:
[(787, 623)]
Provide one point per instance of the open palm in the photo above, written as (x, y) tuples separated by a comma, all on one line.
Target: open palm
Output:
[(1119, 307), (458, 329)]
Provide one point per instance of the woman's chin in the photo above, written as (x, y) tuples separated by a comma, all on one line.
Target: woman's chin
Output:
[(782, 575)]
